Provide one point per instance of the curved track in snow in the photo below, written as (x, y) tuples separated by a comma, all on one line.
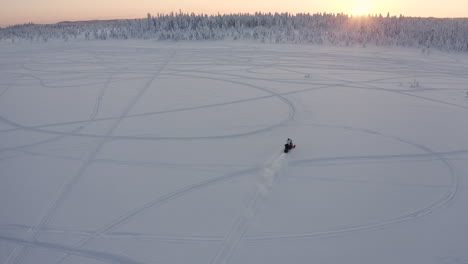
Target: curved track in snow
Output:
[(281, 77)]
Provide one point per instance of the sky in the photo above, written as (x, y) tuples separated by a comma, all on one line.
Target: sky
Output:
[(51, 11)]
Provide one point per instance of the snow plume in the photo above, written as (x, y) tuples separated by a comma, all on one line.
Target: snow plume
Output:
[(270, 172), (264, 184)]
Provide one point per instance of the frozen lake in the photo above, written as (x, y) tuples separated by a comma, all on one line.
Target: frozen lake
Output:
[(171, 152)]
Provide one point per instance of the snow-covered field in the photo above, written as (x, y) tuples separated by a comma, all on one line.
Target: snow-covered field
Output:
[(171, 152)]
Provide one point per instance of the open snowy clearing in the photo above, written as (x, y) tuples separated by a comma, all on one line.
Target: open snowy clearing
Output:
[(162, 152)]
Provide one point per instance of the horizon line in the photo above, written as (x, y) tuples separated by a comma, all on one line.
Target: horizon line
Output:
[(218, 13)]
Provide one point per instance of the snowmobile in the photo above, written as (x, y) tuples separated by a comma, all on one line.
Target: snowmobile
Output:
[(288, 147)]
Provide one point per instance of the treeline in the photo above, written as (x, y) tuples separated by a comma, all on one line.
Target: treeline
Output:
[(322, 28)]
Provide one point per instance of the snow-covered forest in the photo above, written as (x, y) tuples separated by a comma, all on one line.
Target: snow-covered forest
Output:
[(321, 28)]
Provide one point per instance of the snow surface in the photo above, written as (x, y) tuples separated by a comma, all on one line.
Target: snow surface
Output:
[(170, 152)]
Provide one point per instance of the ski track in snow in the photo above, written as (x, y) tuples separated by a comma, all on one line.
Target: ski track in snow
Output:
[(264, 185), (95, 255), (21, 254), (155, 203), (264, 182), (67, 187), (443, 201)]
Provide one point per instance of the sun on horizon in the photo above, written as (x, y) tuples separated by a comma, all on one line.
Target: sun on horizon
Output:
[(360, 8)]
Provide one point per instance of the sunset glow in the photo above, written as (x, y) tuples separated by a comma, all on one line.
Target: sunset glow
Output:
[(360, 8), (52, 11)]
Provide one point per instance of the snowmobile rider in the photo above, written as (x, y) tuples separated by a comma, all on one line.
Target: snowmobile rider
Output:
[(288, 146)]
